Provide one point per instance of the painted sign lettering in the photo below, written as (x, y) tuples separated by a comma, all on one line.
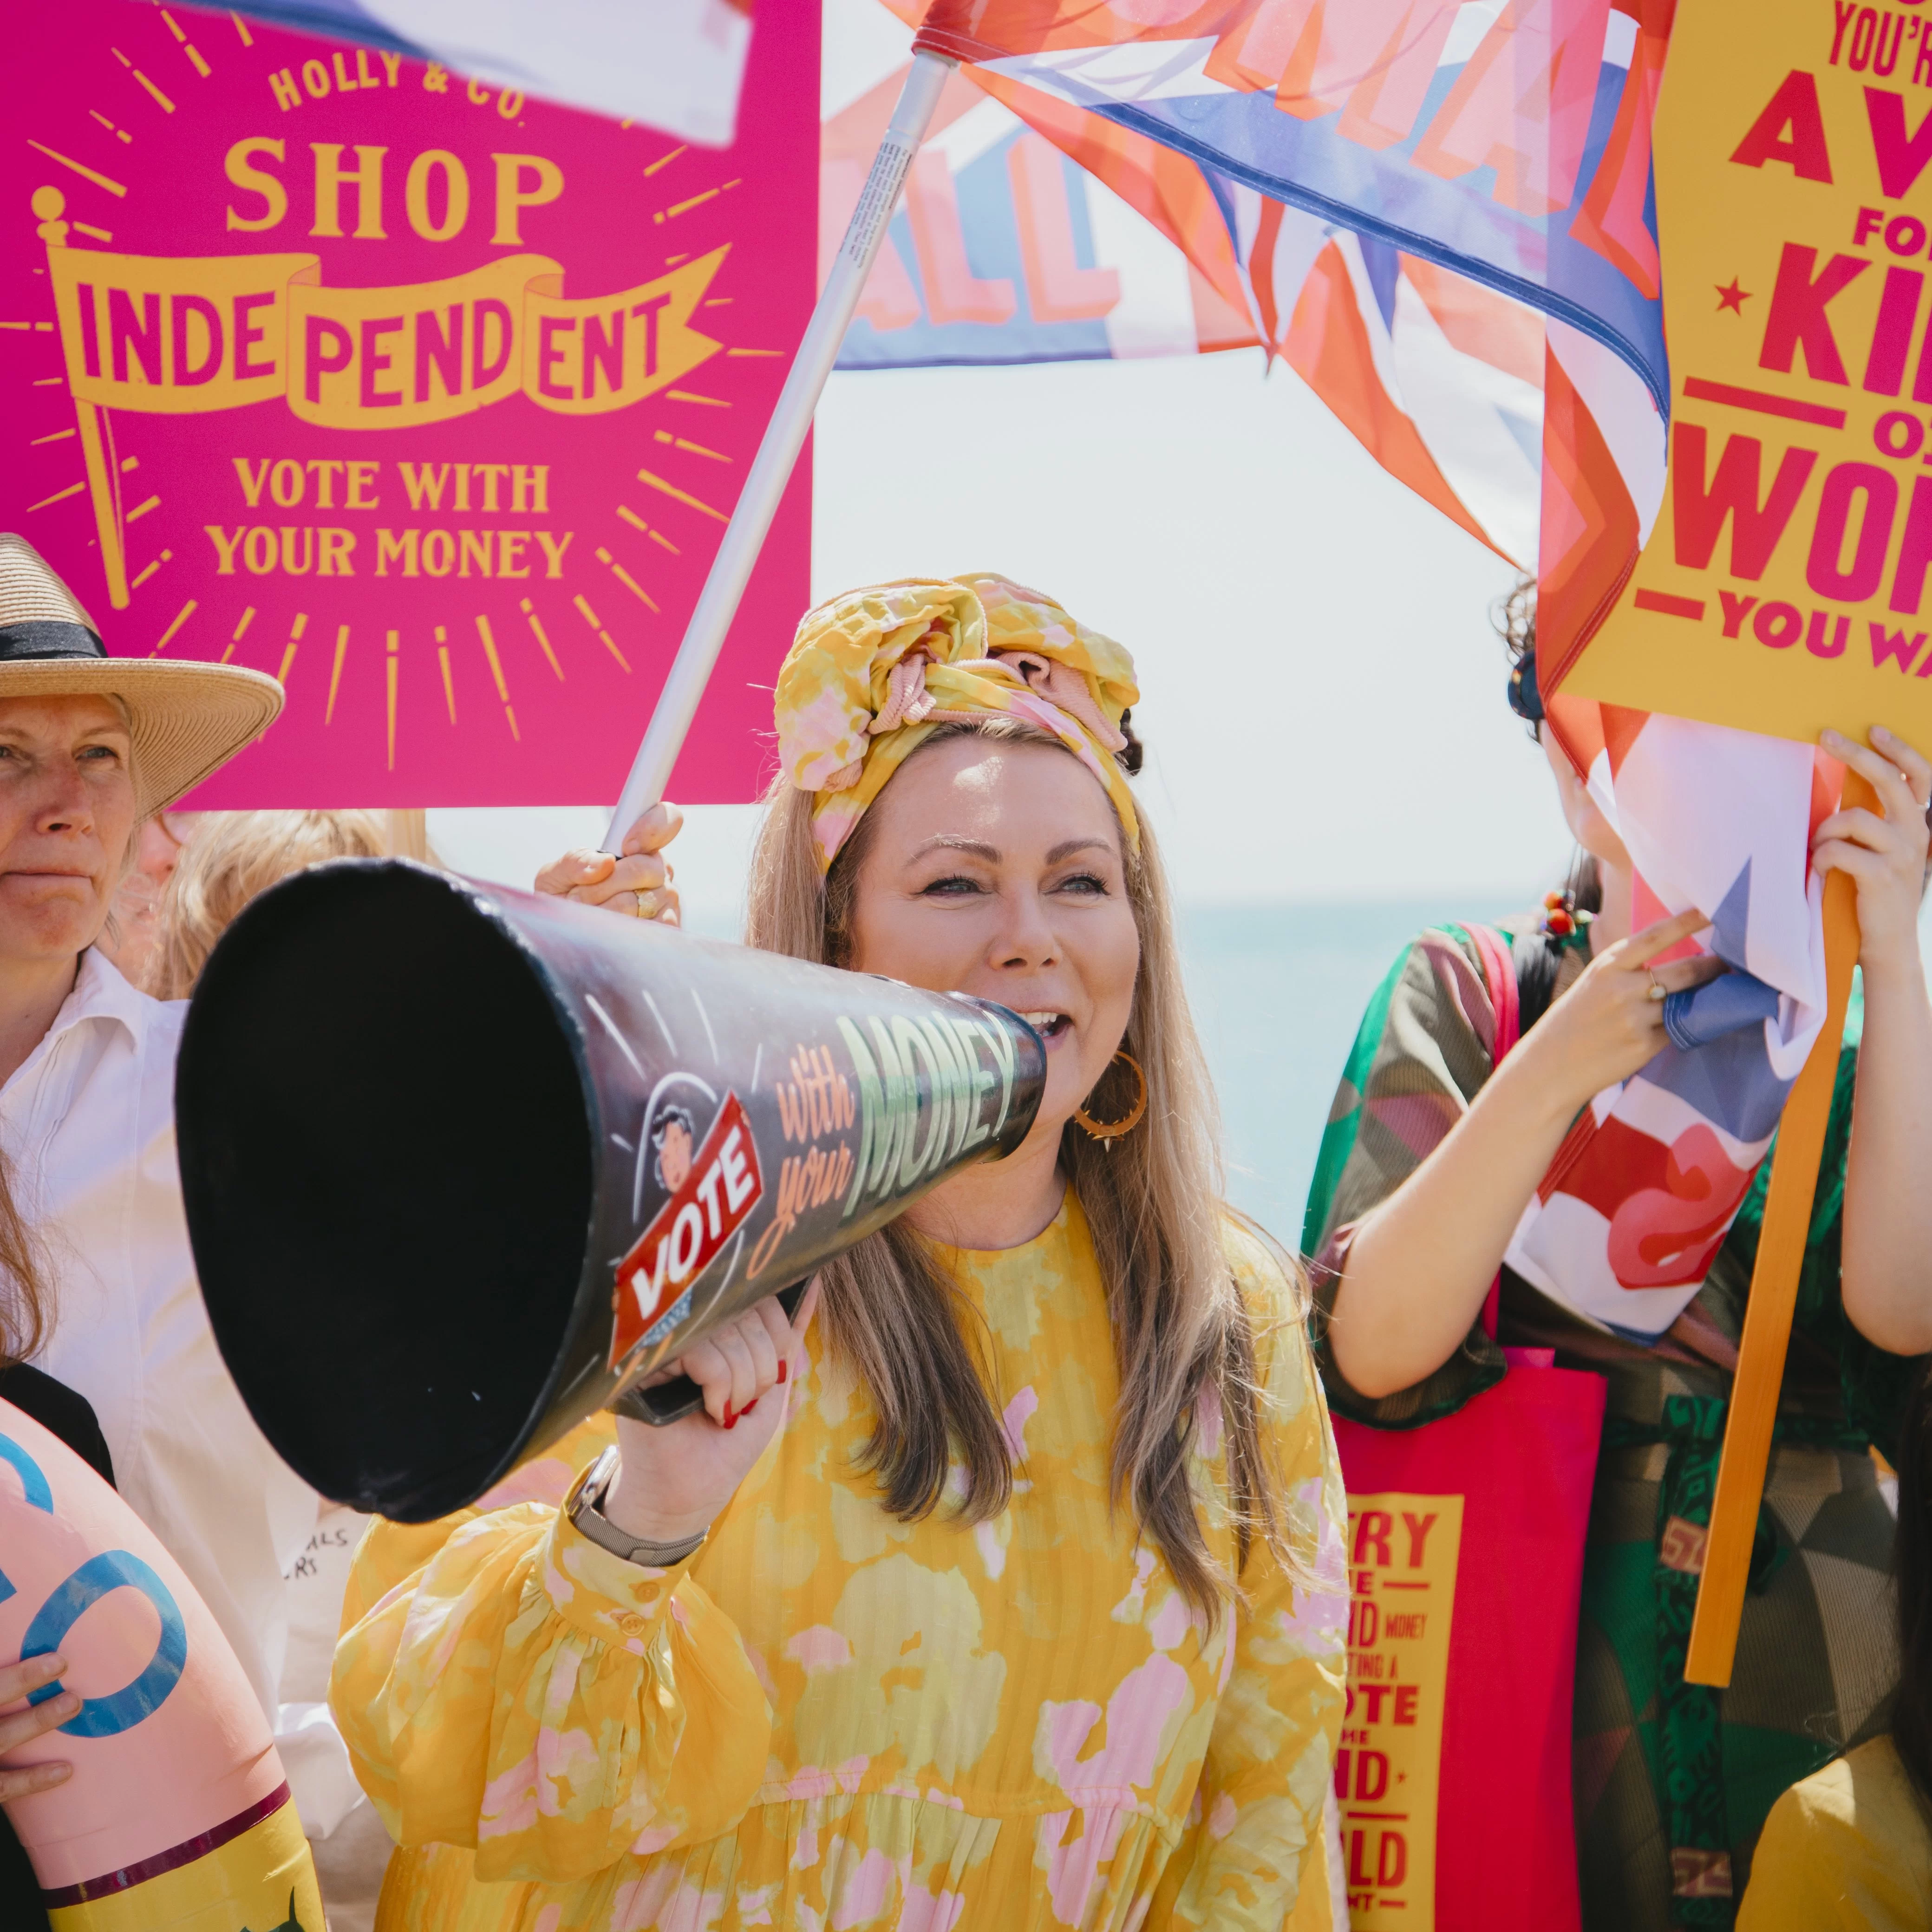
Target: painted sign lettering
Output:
[(911, 1126)]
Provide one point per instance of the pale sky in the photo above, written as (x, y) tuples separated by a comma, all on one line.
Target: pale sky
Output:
[(1322, 693)]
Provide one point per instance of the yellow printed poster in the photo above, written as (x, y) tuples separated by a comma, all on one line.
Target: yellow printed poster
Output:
[(1784, 587), (1402, 1551)]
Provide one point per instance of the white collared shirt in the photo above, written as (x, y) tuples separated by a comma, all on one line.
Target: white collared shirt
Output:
[(88, 1122)]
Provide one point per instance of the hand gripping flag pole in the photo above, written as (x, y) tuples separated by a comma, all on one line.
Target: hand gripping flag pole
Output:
[(784, 435)]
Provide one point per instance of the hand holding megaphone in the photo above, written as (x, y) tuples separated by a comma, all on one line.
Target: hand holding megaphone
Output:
[(673, 1483)]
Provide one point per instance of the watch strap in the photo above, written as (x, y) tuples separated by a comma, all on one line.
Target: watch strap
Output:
[(586, 1513)]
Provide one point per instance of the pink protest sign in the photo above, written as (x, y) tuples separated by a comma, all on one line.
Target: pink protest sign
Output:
[(429, 399), (178, 1807)]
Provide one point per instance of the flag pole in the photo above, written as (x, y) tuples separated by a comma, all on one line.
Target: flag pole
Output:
[(784, 435), (1759, 1376)]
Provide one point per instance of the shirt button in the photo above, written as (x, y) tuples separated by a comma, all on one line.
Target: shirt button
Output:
[(632, 1624)]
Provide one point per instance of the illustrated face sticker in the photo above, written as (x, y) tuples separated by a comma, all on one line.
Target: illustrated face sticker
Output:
[(674, 1136)]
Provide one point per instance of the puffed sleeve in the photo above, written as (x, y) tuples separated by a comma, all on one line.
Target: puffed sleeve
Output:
[(513, 1688), (1254, 1853)]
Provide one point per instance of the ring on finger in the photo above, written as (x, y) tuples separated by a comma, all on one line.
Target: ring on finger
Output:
[(644, 903), (1658, 990)]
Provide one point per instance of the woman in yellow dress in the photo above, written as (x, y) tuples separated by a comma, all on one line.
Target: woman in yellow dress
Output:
[(1009, 1594)]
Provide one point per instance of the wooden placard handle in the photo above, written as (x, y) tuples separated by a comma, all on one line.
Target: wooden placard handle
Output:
[(1774, 1298)]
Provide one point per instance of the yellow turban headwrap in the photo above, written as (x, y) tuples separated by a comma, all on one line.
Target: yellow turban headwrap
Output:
[(872, 674)]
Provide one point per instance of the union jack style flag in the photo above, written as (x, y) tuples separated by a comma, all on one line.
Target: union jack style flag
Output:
[(1006, 251), (1441, 215)]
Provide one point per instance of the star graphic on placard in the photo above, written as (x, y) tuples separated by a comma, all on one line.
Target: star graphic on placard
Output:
[(1732, 297)]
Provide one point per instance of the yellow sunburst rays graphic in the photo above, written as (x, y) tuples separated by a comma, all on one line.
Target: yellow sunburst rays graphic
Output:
[(591, 618), (187, 46), (295, 631), (496, 672), (684, 497), (698, 200), (448, 678), (629, 582), (631, 516), (537, 630), (240, 632), (153, 92), (391, 667), (335, 671), (182, 616)]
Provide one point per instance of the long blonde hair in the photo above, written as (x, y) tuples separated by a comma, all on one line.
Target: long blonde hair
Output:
[(26, 1296), (229, 857), (1181, 1330)]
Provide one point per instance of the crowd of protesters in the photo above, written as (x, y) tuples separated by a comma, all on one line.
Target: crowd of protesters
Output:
[(1004, 1583)]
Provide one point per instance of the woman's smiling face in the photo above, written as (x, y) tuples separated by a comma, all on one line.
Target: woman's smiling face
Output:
[(995, 868)]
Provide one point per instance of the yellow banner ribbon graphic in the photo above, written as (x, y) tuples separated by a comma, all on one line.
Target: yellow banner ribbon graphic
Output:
[(183, 335)]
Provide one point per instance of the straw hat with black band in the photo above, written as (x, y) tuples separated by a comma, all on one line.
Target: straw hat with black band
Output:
[(186, 718)]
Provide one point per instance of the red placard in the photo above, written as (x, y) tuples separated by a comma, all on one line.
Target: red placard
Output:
[(431, 400)]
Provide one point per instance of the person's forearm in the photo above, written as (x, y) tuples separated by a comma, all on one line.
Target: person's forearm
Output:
[(1887, 1252), (1420, 1265)]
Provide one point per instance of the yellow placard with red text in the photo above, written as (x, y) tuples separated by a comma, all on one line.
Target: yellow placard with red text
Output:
[(1403, 1554), (1785, 585)]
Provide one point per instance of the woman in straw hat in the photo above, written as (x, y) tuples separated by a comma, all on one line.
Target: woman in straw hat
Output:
[(90, 747), (1011, 1594)]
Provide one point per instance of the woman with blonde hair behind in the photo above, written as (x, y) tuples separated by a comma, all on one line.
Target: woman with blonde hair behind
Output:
[(230, 858), (1011, 1594)]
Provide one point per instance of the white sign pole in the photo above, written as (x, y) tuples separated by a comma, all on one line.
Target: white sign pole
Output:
[(784, 435)]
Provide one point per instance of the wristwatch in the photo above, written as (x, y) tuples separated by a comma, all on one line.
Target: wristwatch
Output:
[(586, 1512)]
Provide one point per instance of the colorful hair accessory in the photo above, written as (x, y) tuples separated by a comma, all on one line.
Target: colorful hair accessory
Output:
[(872, 674)]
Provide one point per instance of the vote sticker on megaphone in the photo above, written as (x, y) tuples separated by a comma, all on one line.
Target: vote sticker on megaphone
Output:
[(712, 1193), (462, 1165)]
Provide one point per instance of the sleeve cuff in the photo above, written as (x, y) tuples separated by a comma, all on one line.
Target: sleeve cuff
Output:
[(618, 1603)]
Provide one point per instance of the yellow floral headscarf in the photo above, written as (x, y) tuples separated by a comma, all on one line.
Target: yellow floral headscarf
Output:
[(872, 674)]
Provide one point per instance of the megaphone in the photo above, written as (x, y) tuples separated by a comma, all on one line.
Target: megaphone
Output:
[(462, 1165)]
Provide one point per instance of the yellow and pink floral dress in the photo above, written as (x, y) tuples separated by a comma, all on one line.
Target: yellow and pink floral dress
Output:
[(827, 1719)]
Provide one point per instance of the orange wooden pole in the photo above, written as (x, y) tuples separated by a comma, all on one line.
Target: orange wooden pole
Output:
[(1774, 1298)]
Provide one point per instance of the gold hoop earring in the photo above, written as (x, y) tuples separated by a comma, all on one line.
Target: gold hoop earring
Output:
[(1108, 1131)]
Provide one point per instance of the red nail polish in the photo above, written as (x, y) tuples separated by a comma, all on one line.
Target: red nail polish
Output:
[(731, 1417), (732, 1421), (784, 1370)]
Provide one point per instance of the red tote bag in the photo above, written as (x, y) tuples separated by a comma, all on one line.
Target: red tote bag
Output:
[(1466, 1549)]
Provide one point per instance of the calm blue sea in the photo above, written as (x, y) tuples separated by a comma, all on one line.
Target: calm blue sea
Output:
[(1277, 992)]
